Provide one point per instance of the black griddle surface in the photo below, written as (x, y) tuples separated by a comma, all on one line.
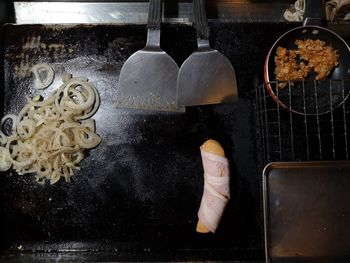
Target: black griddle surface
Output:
[(140, 189)]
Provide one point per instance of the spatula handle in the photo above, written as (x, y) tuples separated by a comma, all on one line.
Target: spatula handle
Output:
[(200, 19), (154, 14)]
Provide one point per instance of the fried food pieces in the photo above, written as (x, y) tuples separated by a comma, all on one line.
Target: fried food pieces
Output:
[(294, 65), (287, 67), (321, 57)]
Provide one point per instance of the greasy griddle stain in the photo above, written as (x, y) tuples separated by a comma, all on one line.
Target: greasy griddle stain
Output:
[(34, 46)]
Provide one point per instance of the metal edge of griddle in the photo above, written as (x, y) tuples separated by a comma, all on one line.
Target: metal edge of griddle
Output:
[(136, 11), (266, 169), (2, 90), (277, 165), (2, 44)]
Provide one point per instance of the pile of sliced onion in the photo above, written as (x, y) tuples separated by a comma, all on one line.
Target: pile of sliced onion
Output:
[(49, 136)]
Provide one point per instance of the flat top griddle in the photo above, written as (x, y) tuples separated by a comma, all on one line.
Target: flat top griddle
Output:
[(139, 190), (137, 194)]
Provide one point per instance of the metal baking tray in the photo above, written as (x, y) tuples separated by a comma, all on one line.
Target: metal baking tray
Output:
[(307, 212)]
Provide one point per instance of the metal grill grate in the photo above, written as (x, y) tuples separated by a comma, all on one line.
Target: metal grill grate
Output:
[(284, 135)]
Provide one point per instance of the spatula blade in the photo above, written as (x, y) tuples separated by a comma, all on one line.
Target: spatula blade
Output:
[(206, 77), (148, 81)]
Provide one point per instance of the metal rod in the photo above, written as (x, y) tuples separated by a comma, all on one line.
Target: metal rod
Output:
[(263, 129), (266, 129), (258, 120), (306, 124), (318, 121), (291, 119), (332, 118), (344, 121), (279, 127)]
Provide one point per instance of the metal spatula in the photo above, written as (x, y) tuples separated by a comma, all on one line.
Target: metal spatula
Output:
[(206, 76), (148, 78)]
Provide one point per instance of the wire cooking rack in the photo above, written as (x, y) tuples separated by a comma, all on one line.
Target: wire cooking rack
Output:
[(284, 135)]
